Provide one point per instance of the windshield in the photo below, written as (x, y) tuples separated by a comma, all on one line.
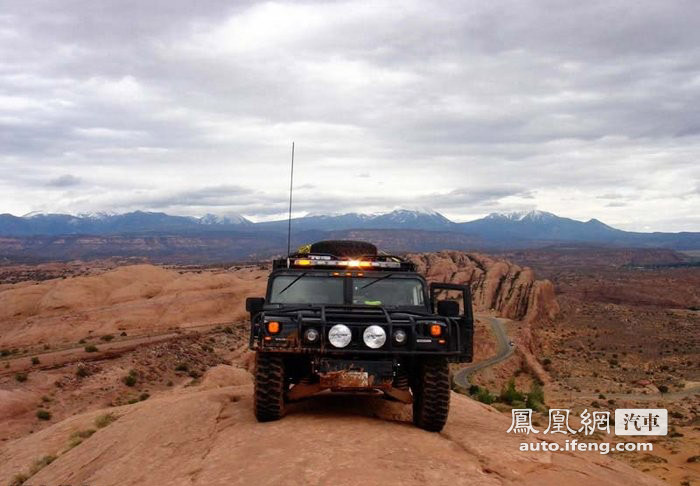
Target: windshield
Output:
[(387, 291), (382, 290), (296, 289)]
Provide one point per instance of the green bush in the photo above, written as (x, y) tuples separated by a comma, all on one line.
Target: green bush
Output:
[(43, 414), (182, 367), (91, 348), (35, 360), (107, 337), (129, 380), (535, 397), (484, 396), (82, 371), (21, 377), (510, 394)]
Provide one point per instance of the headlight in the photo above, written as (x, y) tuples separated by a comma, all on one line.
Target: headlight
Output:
[(374, 337), (311, 335), (340, 335), (399, 336)]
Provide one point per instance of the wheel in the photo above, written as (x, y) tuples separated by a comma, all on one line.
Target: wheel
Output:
[(431, 394), (269, 387), (346, 248)]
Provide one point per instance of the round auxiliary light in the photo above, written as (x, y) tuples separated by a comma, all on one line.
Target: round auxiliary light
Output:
[(311, 335), (400, 336), (374, 337), (340, 335)]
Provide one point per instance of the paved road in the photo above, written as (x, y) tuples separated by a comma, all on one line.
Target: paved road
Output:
[(461, 378)]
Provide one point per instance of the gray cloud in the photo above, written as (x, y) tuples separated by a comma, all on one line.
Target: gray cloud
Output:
[(484, 106), (66, 180)]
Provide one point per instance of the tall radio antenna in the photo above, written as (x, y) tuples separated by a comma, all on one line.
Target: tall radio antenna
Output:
[(289, 223)]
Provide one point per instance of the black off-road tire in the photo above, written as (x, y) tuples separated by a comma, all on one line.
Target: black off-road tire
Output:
[(344, 248), (269, 387), (431, 394)]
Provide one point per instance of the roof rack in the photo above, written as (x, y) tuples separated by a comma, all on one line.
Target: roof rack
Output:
[(363, 262)]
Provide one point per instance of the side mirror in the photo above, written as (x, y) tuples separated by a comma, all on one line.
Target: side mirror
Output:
[(254, 304), (448, 308)]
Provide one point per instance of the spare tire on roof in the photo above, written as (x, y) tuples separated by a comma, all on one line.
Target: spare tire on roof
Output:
[(346, 248)]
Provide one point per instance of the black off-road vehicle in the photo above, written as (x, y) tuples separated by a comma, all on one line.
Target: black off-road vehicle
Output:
[(339, 316)]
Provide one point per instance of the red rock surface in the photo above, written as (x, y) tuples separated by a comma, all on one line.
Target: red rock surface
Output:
[(498, 285)]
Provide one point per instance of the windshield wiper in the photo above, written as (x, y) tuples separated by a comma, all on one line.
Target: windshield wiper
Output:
[(291, 283), (375, 281)]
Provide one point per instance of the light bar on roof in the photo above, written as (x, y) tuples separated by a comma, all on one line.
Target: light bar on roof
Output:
[(344, 263)]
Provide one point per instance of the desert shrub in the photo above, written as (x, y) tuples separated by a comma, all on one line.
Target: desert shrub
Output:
[(82, 371), (19, 479), (104, 420), (21, 377), (510, 394), (144, 396), (595, 404), (535, 397), (40, 464), (82, 341), (663, 388), (228, 330), (484, 396), (91, 348), (182, 367), (107, 337), (473, 389), (45, 399), (4, 352), (131, 378), (169, 383), (546, 362), (601, 396), (35, 360), (194, 374), (43, 414)]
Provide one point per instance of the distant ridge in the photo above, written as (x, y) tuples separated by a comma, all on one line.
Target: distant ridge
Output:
[(497, 230)]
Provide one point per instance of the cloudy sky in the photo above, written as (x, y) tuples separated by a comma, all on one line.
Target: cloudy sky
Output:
[(585, 109)]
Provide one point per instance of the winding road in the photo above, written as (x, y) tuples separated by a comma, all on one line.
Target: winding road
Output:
[(461, 378)]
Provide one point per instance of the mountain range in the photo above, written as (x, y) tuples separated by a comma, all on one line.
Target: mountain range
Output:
[(398, 230)]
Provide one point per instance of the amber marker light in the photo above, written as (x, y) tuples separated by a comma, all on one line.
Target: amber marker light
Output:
[(435, 330), (303, 262), (273, 327), (442, 341)]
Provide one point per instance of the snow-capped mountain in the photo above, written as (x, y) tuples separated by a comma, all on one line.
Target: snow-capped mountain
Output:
[(102, 223), (396, 219), (496, 230), (223, 219)]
